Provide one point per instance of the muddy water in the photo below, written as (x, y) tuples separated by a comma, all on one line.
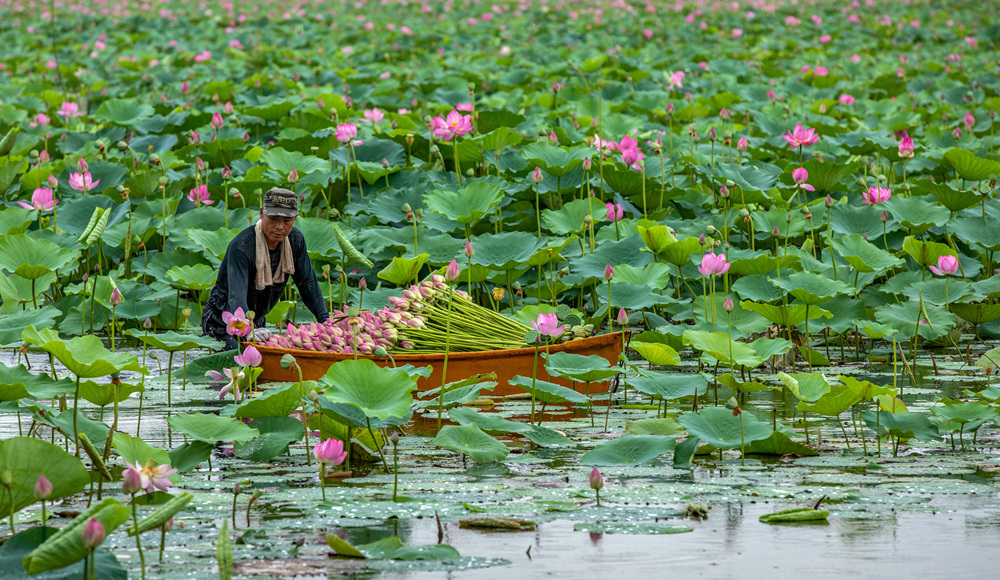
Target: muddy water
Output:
[(931, 512)]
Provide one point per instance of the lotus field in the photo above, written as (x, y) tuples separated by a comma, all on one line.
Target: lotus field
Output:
[(790, 209)]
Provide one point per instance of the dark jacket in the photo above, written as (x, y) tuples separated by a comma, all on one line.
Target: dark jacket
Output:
[(234, 288)]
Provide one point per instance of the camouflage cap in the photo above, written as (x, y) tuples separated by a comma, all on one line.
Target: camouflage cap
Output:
[(280, 202)]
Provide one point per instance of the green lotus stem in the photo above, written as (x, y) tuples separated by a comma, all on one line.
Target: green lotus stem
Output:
[(609, 305), (444, 365), (360, 188), (598, 492), (538, 212), (385, 463), (742, 443), (235, 495), (163, 540), (395, 465), (170, 372), (458, 168), (305, 424), (76, 412), (322, 477), (138, 545), (534, 375), (10, 492)]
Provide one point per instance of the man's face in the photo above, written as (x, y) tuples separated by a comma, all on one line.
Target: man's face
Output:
[(275, 228)]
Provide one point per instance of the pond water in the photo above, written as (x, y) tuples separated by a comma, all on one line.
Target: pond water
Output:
[(931, 511)]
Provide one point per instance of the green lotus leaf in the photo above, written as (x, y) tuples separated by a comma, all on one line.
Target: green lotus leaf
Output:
[(26, 458), (20, 383), (105, 394), (811, 288), (84, 356), (916, 214), (19, 546), (171, 341), (839, 399), (196, 277), (506, 250), (579, 368), (721, 347), (762, 264), (679, 253), (276, 434), (124, 112), (962, 412), (470, 440), (768, 347), (952, 199), (33, 258), (379, 393), (718, 427), (15, 220), (903, 317), (284, 161), (779, 444), (554, 160), (467, 205), (189, 456), (925, 253), (402, 271), (489, 423), (212, 244), (668, 387), (548, 393), (657, 350), (274, 402), (665, 427), (569, 218), (976, 312), (851, 220), (134, 450), (903, 425), (212, 428), (392, 549), (629, 450), (66, 546), (969, 166), (806, 386), (978, 230)]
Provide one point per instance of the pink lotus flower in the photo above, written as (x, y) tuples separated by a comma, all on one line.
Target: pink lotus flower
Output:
[(69, 109), (41, 199), (234, 376), (821, 71), (199, 195), (454, 125), (39, 120), (846, 99), (346, 132), (82, 182), (632, 157), (216, 122), (800, 176), (547, 325), (93, 533), (676, 80), (946, 266), (251, 357), (970, 121), (330, 452), (131, 480), (615, 212), (373, 115), (876, 195), (800, 137), (605, 145), (713, 265), (237, 323), (467, 107), (906, 148), (154, 478)]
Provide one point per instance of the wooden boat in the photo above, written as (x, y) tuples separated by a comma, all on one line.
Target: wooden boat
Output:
[(505, 363)]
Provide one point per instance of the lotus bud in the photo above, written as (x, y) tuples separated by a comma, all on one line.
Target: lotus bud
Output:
[(52, 182), (728, 305), (775, 232), (724, 192), (81, 165), (394, 437), (148, 323), (701, 239), (711, 134), (596, 479), (246, 137), (451, 273), (131, 481), (93, 533), (43, 487), (711, 230), (536, 175), (293, 176), (742, 144), (587, 164), (195, 138), (116, 297), (885, 216), (363, 283), (828, 202), (227, 173), (609, 272), (622, 318), (469, 251), (670, 109)]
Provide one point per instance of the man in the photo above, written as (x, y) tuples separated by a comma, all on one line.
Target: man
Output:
[(256, 267)]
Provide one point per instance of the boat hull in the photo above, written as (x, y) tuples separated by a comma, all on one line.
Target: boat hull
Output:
[(505, 363)]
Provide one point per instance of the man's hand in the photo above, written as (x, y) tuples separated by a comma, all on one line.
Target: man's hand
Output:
[(261, 334)]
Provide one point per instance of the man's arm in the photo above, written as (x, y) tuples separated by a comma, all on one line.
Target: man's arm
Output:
[(305, 280)]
